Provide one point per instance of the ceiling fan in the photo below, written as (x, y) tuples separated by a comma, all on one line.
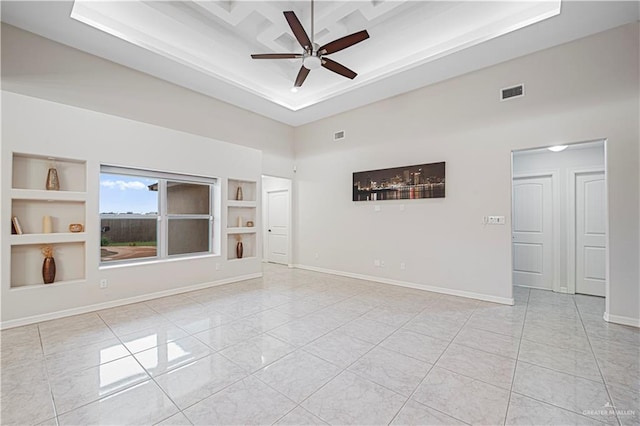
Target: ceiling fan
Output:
[(314, 56)]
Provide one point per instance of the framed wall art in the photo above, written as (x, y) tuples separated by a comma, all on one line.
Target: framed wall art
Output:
[(400, 183)]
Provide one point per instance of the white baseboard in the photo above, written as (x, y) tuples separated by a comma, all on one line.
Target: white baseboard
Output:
[(442, 290), (617, 319), (114, 303)]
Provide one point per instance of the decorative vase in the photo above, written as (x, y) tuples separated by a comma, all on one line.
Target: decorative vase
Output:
[(49, 270), (239, 250), (53, 183), (239, 194)]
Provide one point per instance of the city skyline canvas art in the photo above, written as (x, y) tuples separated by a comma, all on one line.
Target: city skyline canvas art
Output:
[(400, 183)]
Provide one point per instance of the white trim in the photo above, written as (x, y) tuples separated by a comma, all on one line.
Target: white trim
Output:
[(442, 290), (265, 243), (607, 271), (571, 224), (555, 220), (617, 319), (114, 303), (265, 211)]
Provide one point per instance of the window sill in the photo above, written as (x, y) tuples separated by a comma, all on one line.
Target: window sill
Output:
[(103, 267)]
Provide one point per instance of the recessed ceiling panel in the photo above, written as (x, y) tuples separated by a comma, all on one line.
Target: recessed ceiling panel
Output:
[(217, 37)]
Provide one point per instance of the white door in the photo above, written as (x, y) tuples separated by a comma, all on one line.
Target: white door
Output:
[(532, 232), (278, 227), (590, 233)]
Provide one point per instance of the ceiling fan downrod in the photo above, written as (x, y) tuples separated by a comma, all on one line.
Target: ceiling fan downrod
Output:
[(313, 56)]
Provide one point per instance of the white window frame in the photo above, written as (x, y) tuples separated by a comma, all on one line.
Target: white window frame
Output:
[(163, 218)]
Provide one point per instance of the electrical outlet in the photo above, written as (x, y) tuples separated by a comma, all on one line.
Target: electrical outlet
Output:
[(217, 266), (382, 263), (401, 207), (403, 266), (376, 208), (104, 283), (317, 256), (376, 263)]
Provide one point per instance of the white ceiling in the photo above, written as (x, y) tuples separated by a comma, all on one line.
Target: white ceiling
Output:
[(206, 45)]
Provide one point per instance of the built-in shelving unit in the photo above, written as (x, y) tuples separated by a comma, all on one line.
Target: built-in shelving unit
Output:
[(30, 202), (239, 214)]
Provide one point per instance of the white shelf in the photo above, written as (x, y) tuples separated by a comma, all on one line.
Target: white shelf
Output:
[(249, 193), (43, 195), (242, 204), (239, 212), (53, 284), (30, 203), (53, 238), (235, 259), (30, 172), (243, 230)]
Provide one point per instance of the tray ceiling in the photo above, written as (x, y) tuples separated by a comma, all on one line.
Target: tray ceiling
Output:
[(206, 45)]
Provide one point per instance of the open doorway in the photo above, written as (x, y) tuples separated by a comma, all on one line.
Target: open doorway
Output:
[(276, 215), (559, 219)]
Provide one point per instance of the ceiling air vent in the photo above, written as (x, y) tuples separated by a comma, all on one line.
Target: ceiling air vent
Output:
[(512, 92), (338, 136)]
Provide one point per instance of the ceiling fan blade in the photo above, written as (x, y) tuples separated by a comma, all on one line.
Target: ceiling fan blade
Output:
[(344, 42), (302, 75), (298, 30), (338, 68), (276, 56)]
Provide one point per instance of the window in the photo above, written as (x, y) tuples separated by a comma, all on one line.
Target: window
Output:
[(150, 215)]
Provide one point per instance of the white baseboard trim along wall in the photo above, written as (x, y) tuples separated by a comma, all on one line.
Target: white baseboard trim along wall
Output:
[(451, 292), (120, 302), (617, 319)]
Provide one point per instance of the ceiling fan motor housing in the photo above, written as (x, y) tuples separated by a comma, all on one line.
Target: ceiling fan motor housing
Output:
[(313, 56), (312, 62)]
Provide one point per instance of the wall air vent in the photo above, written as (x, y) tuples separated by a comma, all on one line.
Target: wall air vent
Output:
[(512, 92), (338, 136)]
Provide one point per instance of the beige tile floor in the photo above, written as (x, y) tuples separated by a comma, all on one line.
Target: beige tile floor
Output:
[(298, 347)]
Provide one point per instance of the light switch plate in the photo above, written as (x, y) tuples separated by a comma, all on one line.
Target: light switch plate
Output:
[(495, 220)]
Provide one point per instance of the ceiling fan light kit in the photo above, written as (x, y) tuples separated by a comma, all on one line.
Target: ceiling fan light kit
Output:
[(313, 56)]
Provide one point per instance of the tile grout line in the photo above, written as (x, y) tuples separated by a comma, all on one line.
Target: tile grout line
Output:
[(606, 388), (253, 373), (565, 373), (46, 371), (346, 368), (515, 366), (151, 378), (118, 338), (343, 298), (88, 368), (215, 352), (432, 367)]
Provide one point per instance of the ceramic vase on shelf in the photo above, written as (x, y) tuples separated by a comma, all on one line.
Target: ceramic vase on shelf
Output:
[(48, 265), (53, 183), (239, 249), (239, 195)]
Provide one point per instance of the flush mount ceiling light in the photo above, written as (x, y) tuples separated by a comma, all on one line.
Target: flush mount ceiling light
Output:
[(558, 148)]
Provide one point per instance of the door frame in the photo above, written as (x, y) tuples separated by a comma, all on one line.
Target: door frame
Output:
[(555, 220), (265, 211), (266, 224), (571, 225)]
